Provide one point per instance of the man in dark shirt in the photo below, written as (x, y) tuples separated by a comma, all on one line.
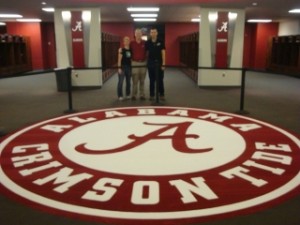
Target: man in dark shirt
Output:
[(156, 57)]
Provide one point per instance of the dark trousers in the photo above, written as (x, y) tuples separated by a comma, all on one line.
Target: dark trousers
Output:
[(152, 68)]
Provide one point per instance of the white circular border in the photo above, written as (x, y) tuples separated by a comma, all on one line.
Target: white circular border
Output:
[(10, 185)]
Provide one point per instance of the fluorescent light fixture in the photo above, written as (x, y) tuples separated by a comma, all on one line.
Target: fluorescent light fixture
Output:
[(196, 20), (294, 11), (2, 24), (48, 9), (259, 20), (143, 9), (66, 15), (29, 20), (86, 16), (232, 16), (144, 15), (213, 16), (10, 16), (144, 19)]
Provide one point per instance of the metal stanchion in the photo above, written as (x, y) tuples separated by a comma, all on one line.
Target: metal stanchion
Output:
[(70, 99), (157, 65), (242, 95), (2, 132), (157, 82)]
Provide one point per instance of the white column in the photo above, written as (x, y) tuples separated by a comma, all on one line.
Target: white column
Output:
[(207, 40), (63, 39), (92, 46)]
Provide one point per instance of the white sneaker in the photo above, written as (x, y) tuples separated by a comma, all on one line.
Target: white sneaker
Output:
[(120, 98)]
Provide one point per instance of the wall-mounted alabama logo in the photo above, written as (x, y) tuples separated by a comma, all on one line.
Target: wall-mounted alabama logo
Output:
[(151, 165)]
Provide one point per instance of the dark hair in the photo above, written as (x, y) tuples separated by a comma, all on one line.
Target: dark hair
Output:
[(153, 28)]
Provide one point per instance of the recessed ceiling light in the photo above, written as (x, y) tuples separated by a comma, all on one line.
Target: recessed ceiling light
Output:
[(294, 11), (254, 3), (144, 19), (48, 9), (29, 20), (144, 15), (143, 9), (10, 16), (43, 3), (259, 20)]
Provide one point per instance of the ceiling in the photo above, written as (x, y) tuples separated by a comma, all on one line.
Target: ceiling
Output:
[(170, 10)]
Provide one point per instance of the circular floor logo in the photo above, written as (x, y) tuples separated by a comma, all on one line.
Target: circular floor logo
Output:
[(141, 165)]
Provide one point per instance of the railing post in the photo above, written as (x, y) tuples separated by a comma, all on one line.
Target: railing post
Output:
[(2, 132), (70, 99), (242, 93), (157, 82), (156, 69)]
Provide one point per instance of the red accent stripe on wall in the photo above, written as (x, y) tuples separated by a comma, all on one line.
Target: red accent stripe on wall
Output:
[(222, 39), (77, 39)]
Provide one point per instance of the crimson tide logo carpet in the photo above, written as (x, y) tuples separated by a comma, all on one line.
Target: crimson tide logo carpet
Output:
[(151, 165)]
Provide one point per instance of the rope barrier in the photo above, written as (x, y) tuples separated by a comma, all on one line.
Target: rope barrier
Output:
[(68, 73), (69, 88), (242, 93)]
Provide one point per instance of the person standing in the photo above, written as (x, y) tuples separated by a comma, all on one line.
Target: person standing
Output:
[(138, 59), (124, 70), (156, 58)]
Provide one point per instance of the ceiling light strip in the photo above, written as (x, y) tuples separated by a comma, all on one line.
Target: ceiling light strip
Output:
[(144, 15), (142, 9), (259, 20), (29, 20), (294, 11), (196, 20), (144, 19), (48, 9), (10, 16)]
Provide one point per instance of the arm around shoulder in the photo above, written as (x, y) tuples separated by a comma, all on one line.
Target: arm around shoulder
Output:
[(119, 59)]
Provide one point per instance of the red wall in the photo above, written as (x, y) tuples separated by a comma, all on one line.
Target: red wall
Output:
[(32, 30), (249, 45), (256, 40), (120, 29), (172, 33), (263, 34), (48, 41)]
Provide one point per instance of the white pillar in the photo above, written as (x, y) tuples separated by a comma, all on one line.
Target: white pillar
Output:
[(207, 43), (92, 45), (63, 39)]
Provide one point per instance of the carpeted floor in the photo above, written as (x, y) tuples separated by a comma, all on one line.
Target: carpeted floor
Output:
[(270, 98)]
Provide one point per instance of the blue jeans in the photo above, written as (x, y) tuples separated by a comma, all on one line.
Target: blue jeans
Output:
[(126, 74)]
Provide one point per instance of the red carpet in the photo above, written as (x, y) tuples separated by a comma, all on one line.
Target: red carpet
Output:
[(151, 165)]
